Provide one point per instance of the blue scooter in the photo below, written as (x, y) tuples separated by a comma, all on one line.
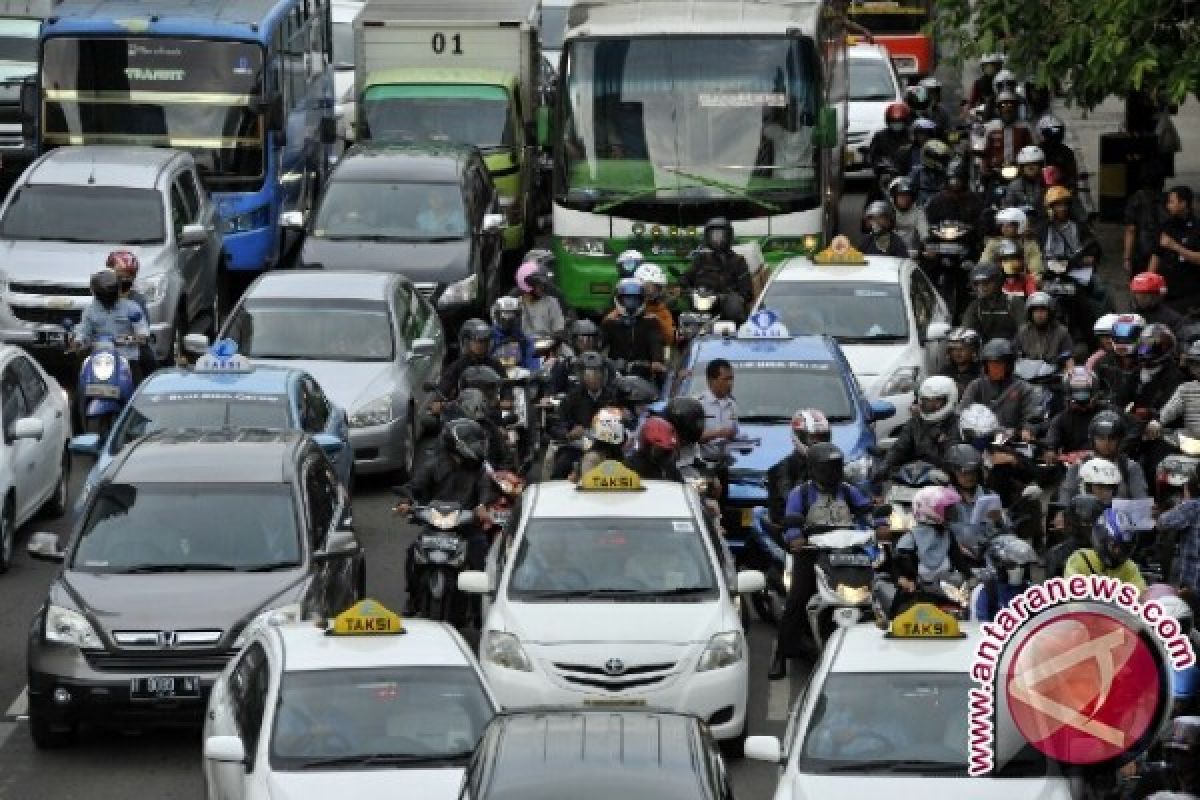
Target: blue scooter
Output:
[(105, 383)]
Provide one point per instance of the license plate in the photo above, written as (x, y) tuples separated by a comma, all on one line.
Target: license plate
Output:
[(164, 686), (52, 338), (614, 701), (1060, 288), (106, 390), (501, 517), (440, 542), (849, 560)]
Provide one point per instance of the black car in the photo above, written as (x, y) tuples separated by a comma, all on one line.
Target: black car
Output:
[(430, 212), (187, 540), (596, 754)]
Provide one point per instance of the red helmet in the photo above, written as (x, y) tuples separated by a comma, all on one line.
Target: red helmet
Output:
[(1053, 176), (897, 112), (1148, 283), (657, 432), (124, 262)]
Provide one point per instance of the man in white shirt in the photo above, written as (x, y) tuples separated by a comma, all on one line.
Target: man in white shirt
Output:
[(720, 409)]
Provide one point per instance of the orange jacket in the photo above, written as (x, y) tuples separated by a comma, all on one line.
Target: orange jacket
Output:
[(666, 322)]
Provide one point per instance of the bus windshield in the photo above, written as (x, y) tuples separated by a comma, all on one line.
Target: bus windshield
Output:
[(890, 17), (661, 124), (192, 94)]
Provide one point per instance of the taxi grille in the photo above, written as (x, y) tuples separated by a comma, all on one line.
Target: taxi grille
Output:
[(160, 663), (633, 677)]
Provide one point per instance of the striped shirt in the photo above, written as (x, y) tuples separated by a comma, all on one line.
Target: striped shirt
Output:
[(1185, 405)]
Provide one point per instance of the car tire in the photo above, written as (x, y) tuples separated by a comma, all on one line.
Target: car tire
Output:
[(56, 506), (45, 736), (8, 534)]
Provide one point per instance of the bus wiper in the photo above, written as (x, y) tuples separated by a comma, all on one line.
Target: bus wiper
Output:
[(727, 187), (627, 198)]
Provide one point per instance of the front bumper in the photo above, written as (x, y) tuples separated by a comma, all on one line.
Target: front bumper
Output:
[(35, 322), (379, 448)]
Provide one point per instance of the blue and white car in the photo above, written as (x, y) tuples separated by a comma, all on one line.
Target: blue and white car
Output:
[(229, 392)]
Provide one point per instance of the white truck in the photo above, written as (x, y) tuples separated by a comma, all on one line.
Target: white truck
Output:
[(460, 70), (20, 23)]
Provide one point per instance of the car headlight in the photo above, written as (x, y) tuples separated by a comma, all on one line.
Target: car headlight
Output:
[(859, 470), (460, 292), (584, 246), (504, 650), (723, 650), (901, 381), (65, 626), (376, 412), (153, 287), (249, 221), (273, 616)]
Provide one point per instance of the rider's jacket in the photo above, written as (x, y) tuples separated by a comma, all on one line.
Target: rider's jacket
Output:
[(98, 321), (723, 272)]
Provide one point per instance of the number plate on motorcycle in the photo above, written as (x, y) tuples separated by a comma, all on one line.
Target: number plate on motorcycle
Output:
[(501, 517), (849, 560), (164, 687), (104, 390), (440, 542), (747, 517), (1060, 288)]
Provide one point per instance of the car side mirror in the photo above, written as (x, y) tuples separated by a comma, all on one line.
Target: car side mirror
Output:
[(195, 344), (85, 444), (45, 546), (328, 130), (193, 235), (472, 582), (882, 409), (28, 428), (338, 544), (492, 223), (293, 220), (332, 445), (229, 749), (763, 748), (936, 331), (750, 581)]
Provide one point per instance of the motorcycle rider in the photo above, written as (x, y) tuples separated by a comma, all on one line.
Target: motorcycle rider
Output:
[(583, 401), (1185, 402), (983, 89), (924, 131), (1026, 191), (910, 221), (1106, 433), (809, 426), (1013, 225), (928, 433), (928, 554), (473, 403), (654, 279), (964, 464), (1064, 237), (1079, 517), (929, 177), (962, 357), (1149, 291), (657, 455), (992, 314), (1051, 135), (955, 202), (541, 313), (507, 332), (1014, 402), (608, 437), (628, 263), (881, 238), (1112, 544), (475, 342), (1042, 336), (1070, 429), (686, 415), (935, 110), (1018, 281), (125, 263), (584, 337), (893, 141), (1006, 134), (458, 475), (1117, 370), (632, 335), (110, 315), (1010, 560), (717, 267)]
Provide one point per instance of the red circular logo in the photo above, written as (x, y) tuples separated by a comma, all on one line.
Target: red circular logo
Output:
[(1084, 688)]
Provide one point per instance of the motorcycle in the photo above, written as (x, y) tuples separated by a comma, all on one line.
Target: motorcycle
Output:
[(440, 553), (1069, 281), (105, 383), (907, 481), (773, 563), (1047, 379), (845, 568), (520, 391), (948, 259)]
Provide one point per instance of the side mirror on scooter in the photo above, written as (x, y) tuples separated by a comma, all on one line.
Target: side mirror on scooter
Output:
[(936, 332)]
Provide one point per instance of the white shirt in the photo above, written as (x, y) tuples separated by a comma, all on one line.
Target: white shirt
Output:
[(718, 413)]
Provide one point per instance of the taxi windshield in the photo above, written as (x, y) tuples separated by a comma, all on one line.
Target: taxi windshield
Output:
[(849, 312), (385, 716), (896, 722), (766, 391), (171, 411), (322, 330), (612, 558), (160, 527)]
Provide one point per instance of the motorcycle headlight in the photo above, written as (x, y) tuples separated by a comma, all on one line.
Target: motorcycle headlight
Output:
[(723, 650), (376, 412), (584, 246), (859, 470), (65, 626), (853, 594), (103, 366), (153, 287), (248, 221), (443, 522), (460, 292), (901, 381), (280, 615), (504, 650)]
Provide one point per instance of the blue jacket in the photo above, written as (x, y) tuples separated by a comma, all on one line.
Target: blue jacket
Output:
[(98, 321), (802, 498), (528, 358), (986, 607)]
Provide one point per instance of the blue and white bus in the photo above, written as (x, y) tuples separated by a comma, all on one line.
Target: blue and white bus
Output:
[(245, 85)]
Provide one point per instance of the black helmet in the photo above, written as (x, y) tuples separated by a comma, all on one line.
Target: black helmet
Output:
[(106, 286), (965, 337), (483, 378), (985, 271), (592, 362), (687, 415), (1081, 514), (826, 465), (466, 438), (900, 185), (998, 350), (635, 390), (964, 458), (581, 328), (1108, 424), (1051, 129), (472, 404), (1156, 345), (474, 330), (715, 240)]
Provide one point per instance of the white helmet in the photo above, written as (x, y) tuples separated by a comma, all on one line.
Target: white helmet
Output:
[(1099, 471), (992, 58), (631, 260), (1014, 216), (977, 421), (1004, 76), (651, 273), (1104, 325), (1031, 154), (607, 427), (938, 387), (930, 503)]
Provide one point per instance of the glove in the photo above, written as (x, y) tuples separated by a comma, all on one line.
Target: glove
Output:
[(1032, 492), (1153, 429)]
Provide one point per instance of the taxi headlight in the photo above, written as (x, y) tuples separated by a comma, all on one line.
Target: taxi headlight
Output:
[(723, 650), (859, 470), (280, 615), (376, 412), (460, 292), (504, 650), (66, 626), (901, 381), (153, 287)]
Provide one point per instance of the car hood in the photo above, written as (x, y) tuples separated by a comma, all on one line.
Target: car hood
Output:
[(870, 361), (420, 262), (177, 600), (349, 384), (871, 787), (68, 262), (866, 116), (668, 622), (376, 782)]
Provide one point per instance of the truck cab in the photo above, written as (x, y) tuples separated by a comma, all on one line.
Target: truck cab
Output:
[(20, 23)]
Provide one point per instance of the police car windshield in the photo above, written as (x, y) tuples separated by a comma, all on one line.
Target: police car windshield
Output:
[(849, 312), (897, 722), (610, 559), (320, 330), (158, 527), (767, 390), (378, 717), (171, 411)]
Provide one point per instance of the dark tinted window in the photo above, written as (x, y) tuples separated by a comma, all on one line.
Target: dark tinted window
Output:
[(248, 685), (98, 214), (13, 398), (31, 382)]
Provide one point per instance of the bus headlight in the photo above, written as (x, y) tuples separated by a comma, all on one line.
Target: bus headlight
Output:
[(584, 246), (249, 221)]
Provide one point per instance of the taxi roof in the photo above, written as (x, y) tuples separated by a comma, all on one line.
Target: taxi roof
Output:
[(265, 379), (865, 648), (425, 643), (812, 348), (878, 269), (657, 499)]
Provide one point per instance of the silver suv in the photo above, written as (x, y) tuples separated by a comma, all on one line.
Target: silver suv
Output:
[(75, 205)]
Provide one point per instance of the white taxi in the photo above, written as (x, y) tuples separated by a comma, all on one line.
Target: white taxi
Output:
[(615, 592), (367, 707), (886, 714), (884, 312)]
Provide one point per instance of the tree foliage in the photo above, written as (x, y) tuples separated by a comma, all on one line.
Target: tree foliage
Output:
[(1089, 49)]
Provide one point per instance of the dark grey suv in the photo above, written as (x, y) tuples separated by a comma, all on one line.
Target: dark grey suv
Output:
[(188, 539)]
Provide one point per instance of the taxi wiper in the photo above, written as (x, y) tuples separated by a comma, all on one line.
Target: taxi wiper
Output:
[(373, 759), (764, 419), (149, 568)]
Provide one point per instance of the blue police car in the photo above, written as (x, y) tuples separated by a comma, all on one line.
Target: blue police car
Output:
[(774, 375), (225, 390)]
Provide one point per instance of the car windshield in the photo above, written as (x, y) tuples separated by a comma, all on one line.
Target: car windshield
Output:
[(326, 330), (160, 527), (902, 722), (107, 214), (178, 410), (871, 80), (384, 716), (474, 115), (607, 559), (767, 391), (379, 210), (849, 312)]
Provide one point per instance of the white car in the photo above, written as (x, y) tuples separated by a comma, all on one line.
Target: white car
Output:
[(884, 312), (884, 716), (616, 593), (34, 462), (874, 85), (369, 708)]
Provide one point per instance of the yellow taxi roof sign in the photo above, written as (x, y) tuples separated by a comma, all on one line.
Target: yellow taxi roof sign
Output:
[(840, 252), (367, 618), (925, 621), (610, 476)]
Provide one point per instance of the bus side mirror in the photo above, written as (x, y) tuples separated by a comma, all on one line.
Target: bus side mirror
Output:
[(276, 117), (826, 134), (29, 103), (543, 126)]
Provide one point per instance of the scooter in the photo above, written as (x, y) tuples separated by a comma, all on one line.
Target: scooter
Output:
[(105, 384), (949, 260), (440, 553), (509, 486), (907, 481), (845, 569)]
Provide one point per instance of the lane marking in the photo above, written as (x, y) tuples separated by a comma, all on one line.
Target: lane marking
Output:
[(20, 707), (778, 697)]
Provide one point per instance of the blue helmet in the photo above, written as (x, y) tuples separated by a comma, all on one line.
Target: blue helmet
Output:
[(630, 297), (1112, 539)]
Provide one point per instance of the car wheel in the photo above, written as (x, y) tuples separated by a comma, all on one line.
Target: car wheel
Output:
[(47, 737), (56, 506), (7, 534)]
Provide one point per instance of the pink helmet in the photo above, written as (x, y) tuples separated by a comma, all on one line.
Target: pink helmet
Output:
[(929, 504), (523, 273)]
